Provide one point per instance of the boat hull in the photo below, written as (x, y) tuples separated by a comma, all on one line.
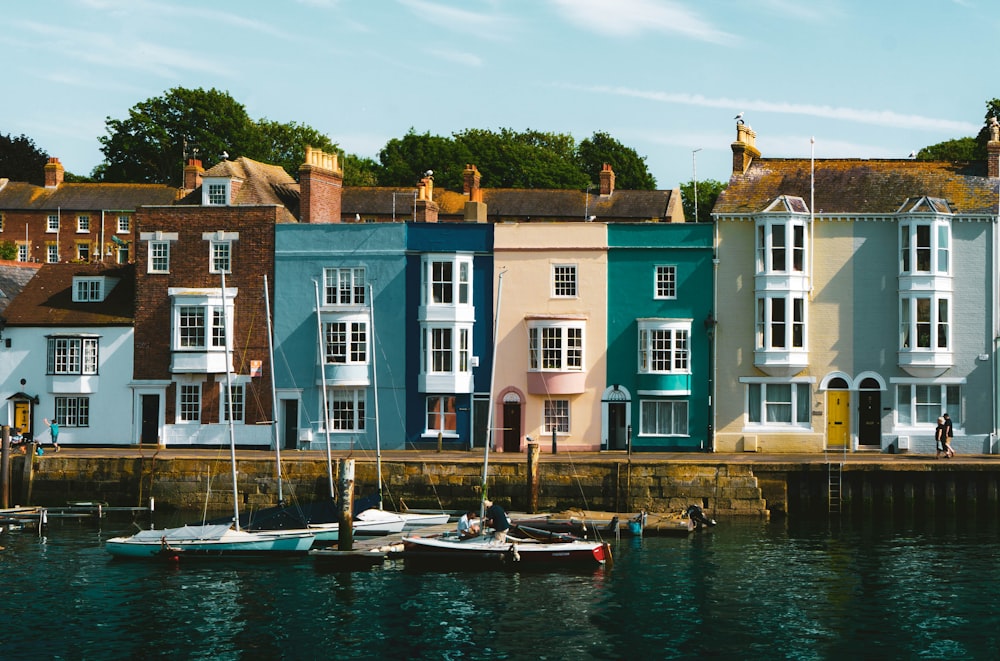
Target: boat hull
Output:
[(209, 541), (511, 552)]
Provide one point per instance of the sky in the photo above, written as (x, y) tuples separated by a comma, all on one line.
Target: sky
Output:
[(863, 78)]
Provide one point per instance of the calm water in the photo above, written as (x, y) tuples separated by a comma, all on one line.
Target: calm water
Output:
[(916, 588)]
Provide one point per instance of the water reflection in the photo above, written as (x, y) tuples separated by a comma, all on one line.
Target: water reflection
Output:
[(897, 587)]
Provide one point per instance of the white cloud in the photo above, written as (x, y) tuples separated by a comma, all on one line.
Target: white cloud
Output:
[(625, 18), (489, 25), (861, 116), (457, 57)]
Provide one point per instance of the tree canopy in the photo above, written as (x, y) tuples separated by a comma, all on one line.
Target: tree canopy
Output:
[(708, 193), (511, 159), (967, 148), (22, 160), (152, 144)]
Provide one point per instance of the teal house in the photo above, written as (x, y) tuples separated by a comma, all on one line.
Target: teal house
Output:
[(660, 334)]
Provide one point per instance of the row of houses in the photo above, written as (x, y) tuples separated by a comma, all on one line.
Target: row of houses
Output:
[(833, 304)]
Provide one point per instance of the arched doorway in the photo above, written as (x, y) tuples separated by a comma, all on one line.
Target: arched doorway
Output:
[(511, 422), (616, 404), (838, 414), (870, 413)]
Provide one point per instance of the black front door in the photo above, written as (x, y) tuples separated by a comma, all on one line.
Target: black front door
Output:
[(290, 428), (616, 426), (150, 428), (870, 417), (512, 426)]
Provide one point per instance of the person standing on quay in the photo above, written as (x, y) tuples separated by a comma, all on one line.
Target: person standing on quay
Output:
[(939, 442), (949, 433), (53, 431)]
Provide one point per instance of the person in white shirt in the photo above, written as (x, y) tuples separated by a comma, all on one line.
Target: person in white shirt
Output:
[(468, 525)]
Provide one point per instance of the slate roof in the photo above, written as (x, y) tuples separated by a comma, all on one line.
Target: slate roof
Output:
[(47, 299), (859, 186), (261, 184), (13, 278), (520, 204), (79, 197)]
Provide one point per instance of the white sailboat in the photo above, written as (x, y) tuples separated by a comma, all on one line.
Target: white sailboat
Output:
[(214, 540), (450, 548)]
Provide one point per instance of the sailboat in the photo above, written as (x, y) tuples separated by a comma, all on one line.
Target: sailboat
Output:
[(483, 549), (218, 539)]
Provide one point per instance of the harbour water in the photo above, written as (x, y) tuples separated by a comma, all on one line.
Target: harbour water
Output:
[(923, 586)]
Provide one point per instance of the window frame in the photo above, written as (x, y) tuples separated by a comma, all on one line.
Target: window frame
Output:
[(565, 280), (345, 285), (83, 224), (558, 412), (676, 352), (346, 414), (74, 355), (922, 412), (347, 348), (441, 415), (124, 224), (72, 411), (239, 391), (665, 282), (220, 256), (188, 403), (158, 263), (798, 402), (88, 290), (446, 280), (673, 405), (925, 240), (552, 346)]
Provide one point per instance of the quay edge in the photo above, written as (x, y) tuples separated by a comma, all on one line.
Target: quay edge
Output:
[(727, 485)]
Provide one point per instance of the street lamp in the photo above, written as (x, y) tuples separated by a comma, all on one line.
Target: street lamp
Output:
[(694, 172)]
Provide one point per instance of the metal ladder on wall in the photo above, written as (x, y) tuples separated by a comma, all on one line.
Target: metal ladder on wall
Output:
[(835, 483)]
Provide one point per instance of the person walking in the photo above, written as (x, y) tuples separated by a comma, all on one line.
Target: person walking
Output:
[(53, 431), (949, 433), (939, 432)]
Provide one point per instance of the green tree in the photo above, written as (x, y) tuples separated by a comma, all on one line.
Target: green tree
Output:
[(708, 193), (8, 250), (360, 171), (284, 144), (403, 161), (960, 149), (532, 159), (151, 144), (630, 169), (21, 160)]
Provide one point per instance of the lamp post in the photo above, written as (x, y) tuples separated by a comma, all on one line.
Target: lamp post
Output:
[(710, 324), (694, 173)]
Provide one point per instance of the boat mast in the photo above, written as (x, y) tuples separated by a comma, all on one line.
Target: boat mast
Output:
[(326, 407), (378, 440), (274, 389), (489, 412), (229, 401)]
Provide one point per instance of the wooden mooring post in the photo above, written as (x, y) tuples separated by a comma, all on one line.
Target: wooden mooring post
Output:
[(5, 467), (534, 453), (345, 478)]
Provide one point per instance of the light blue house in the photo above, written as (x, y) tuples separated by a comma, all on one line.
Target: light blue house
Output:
[(359, 272)]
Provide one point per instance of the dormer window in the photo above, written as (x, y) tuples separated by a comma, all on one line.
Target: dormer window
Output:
[(92, 289), (215, 192)]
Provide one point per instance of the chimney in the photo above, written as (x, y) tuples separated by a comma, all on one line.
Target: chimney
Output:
[(470, 183), (607, 180), (426, 208), (321, 188), (744, 149), (192, 174), (54, 173)]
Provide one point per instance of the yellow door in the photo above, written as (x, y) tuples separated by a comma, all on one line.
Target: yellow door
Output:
[(838, 412), (22, 416)]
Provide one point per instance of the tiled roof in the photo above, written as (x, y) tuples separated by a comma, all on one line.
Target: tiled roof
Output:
[(47, 299), (13, 277), (622, 205), (261, 184), (17, 195), (859, 186)]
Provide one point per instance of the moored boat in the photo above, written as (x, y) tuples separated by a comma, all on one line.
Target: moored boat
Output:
[(484, 550), (209, 541)]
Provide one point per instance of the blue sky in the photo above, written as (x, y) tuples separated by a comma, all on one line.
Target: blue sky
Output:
[(866, 78)]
